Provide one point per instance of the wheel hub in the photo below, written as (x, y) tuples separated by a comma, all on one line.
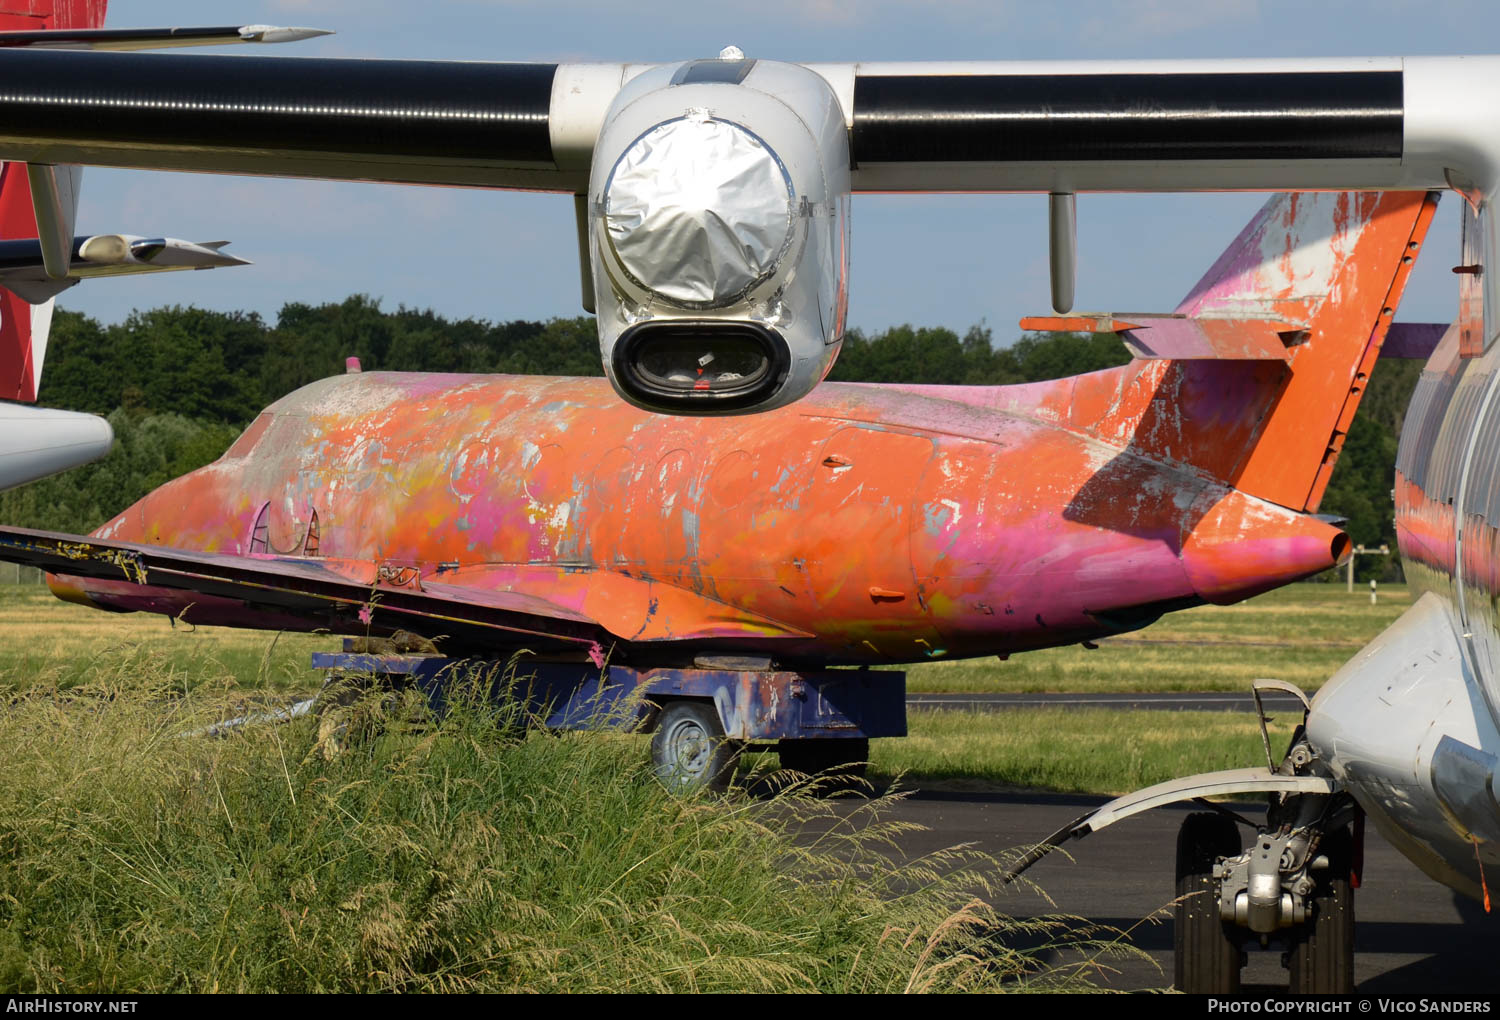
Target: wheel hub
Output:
[(689, 748)]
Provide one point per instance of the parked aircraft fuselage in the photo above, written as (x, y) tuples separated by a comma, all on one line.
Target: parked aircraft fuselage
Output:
[(866, 524)]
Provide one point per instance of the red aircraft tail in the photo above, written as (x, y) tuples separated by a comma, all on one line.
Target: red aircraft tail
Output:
[(1255, 377), (23, 326)]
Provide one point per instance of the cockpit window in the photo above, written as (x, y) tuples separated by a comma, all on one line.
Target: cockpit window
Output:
[(246, 443)]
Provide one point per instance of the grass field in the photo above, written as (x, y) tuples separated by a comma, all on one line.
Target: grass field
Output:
[(1069, 750), (57, 643), (459, 856), (1302, 634)]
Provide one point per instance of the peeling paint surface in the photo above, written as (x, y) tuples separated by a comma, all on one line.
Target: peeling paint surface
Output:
[(819, 506), (1333, 263), (864, 524)]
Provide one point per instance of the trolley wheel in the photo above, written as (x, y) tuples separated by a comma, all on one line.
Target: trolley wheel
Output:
[(1207, 955), (353, 709), (689, 749)]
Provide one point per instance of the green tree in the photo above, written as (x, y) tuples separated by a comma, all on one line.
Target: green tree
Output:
[(83, 370), (1055, 355), (1362, 480), (148, 452)]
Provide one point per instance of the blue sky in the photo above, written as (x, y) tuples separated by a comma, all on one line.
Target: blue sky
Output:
[(928, 260)]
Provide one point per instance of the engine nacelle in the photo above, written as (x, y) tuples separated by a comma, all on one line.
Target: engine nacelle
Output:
[(719, 235)]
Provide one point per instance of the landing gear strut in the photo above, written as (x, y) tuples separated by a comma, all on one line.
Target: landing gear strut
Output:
[(1292, 884), (1222, 905)]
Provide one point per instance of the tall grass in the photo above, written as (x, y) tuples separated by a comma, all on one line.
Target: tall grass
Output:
[(456, 855)]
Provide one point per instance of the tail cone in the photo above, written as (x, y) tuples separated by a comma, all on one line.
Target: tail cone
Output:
[(1243, 547)]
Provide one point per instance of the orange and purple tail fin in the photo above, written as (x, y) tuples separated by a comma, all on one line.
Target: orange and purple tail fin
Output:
[(1255, 377)]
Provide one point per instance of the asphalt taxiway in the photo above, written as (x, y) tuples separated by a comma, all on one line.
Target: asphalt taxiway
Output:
[(1221, 701), (1413, 936)]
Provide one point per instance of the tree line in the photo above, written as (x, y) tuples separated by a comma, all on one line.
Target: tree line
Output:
[(178, 384)]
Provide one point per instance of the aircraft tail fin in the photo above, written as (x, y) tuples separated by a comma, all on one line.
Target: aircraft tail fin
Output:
[(1336, 265), (24, 326), (1255, 377)]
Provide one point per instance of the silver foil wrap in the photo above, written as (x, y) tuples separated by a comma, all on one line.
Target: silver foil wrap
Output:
[(699, 211)]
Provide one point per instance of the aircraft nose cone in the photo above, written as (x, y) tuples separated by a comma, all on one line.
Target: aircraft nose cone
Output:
[(36, 442)]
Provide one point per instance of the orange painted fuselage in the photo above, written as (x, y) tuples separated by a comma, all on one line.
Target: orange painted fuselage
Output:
[(864, 524)]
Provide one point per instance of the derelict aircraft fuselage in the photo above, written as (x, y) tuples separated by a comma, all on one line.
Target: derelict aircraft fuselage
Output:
[(866, 524)]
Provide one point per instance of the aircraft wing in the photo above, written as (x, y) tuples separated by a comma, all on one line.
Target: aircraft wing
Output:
[(540, 610), (23, 262), (154, 38), (1020, 126), (120, 254)]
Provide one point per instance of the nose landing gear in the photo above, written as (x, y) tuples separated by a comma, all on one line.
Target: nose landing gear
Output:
[(1293, 884)]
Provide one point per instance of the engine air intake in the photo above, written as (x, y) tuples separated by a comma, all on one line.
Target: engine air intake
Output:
[(710, 366)]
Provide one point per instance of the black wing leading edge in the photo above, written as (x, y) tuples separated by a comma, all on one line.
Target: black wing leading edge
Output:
[(415, 121)]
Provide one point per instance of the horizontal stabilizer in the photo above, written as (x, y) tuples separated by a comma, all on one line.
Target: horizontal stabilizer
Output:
[(23, 270), (155, 38), (1413, 339), (1182, 337), (1198, 339), (1082, 322)]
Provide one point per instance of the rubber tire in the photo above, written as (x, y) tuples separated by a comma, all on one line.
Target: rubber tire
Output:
[(689, 750), (1206, 957), (1321, 958), (850, 756)]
